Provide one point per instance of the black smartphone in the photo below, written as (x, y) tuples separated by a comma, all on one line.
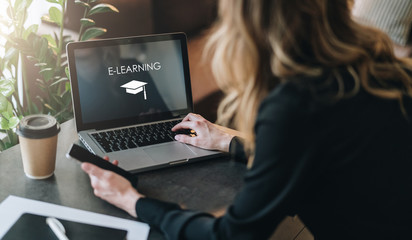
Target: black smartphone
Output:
[(83, 155)]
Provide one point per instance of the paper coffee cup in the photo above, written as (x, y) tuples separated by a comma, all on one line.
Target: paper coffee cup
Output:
[(38, 144)]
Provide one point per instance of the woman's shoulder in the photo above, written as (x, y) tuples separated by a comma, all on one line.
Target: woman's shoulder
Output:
[(287, 101), (289, 96), (287, 90), (303, 95), (313, 92), (330, 93), (299, 89)]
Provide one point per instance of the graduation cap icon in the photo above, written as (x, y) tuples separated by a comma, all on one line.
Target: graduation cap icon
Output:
[(134, 87)]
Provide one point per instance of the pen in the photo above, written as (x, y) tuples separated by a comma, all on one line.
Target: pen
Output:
[(57, 228)]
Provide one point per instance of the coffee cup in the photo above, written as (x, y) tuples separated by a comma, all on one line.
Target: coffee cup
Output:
[(38, 144)]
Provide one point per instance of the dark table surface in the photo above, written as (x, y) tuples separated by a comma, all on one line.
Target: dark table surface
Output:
[(207, 185)]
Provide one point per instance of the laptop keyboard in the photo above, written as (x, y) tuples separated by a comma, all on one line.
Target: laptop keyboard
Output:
[(133, 137)]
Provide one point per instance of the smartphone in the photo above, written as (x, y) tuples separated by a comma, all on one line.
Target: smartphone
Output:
[(83, 155)]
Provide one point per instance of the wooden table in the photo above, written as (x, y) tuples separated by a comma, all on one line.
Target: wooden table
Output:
[(207, 185)]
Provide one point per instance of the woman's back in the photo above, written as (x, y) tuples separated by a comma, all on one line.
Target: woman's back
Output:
[(358, 158)]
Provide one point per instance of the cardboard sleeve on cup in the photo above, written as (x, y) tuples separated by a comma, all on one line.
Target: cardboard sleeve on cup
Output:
[(38, 144)]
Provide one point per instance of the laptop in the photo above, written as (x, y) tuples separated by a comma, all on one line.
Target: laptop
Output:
[(127, 95)]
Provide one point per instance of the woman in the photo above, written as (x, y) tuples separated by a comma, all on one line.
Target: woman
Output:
[(332, 142)]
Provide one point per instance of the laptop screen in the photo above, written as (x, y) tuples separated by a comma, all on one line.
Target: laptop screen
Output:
[(131, 80)]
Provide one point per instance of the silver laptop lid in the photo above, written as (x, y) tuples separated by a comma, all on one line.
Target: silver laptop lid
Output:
[(126, 81)]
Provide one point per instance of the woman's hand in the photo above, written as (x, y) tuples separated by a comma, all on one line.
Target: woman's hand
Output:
[(112, 187), (208, 135)]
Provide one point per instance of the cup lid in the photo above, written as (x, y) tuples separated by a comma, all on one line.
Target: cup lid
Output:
[(38, 126)]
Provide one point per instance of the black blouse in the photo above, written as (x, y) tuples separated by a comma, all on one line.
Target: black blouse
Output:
[(344, 168)]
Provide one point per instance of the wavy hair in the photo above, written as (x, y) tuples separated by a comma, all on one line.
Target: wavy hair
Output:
[(258, 44)]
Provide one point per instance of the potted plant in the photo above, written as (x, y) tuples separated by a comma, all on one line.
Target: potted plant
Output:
[(25, 49)]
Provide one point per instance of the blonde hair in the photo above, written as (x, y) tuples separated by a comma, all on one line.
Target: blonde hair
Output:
[(258, 44)]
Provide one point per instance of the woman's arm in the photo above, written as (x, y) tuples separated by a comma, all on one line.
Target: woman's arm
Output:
[(272, 189)]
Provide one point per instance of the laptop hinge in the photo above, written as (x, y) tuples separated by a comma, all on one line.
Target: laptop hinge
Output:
[(86, 145)]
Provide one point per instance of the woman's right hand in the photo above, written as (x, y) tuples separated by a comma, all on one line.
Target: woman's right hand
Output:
[(208, 136), (112, 187)]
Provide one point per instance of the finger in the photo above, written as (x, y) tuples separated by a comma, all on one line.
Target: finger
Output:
[(192, 117), (186, 139), (96, 193), (94, 181), (101, 194), (185, 125), (92, 169), (187, 118), (177, 126), (115, 162)]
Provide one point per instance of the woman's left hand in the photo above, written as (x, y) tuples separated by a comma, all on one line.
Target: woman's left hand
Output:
[(112, 187)]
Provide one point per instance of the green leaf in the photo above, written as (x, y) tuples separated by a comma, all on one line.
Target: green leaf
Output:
[(66, 70), (22, 45), (4, 124), (56, 15), (10, 109), (2, 146), (43, 48), (78, 2), (59, 81), (50, 40), (40, 99), (57, 99), (92, 33), (87, 22), (102, 8), (3, 103), (46, 18), (12, 52), (63, 95), (44, 70), (27, 3), (64, 63), (40, 64), (13, 121), (32, 29), (8, 145), (53, 1), (40, 81), (67, 86), (18, 6), (36, 109), (56, 38), (43, 88), (7, 115), (49, 107), (6, 87), (31, 58)]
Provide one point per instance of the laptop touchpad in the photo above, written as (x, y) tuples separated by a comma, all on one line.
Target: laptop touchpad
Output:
[(169, 152)]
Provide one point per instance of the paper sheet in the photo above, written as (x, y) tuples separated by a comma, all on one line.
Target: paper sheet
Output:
[(13, 207)]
